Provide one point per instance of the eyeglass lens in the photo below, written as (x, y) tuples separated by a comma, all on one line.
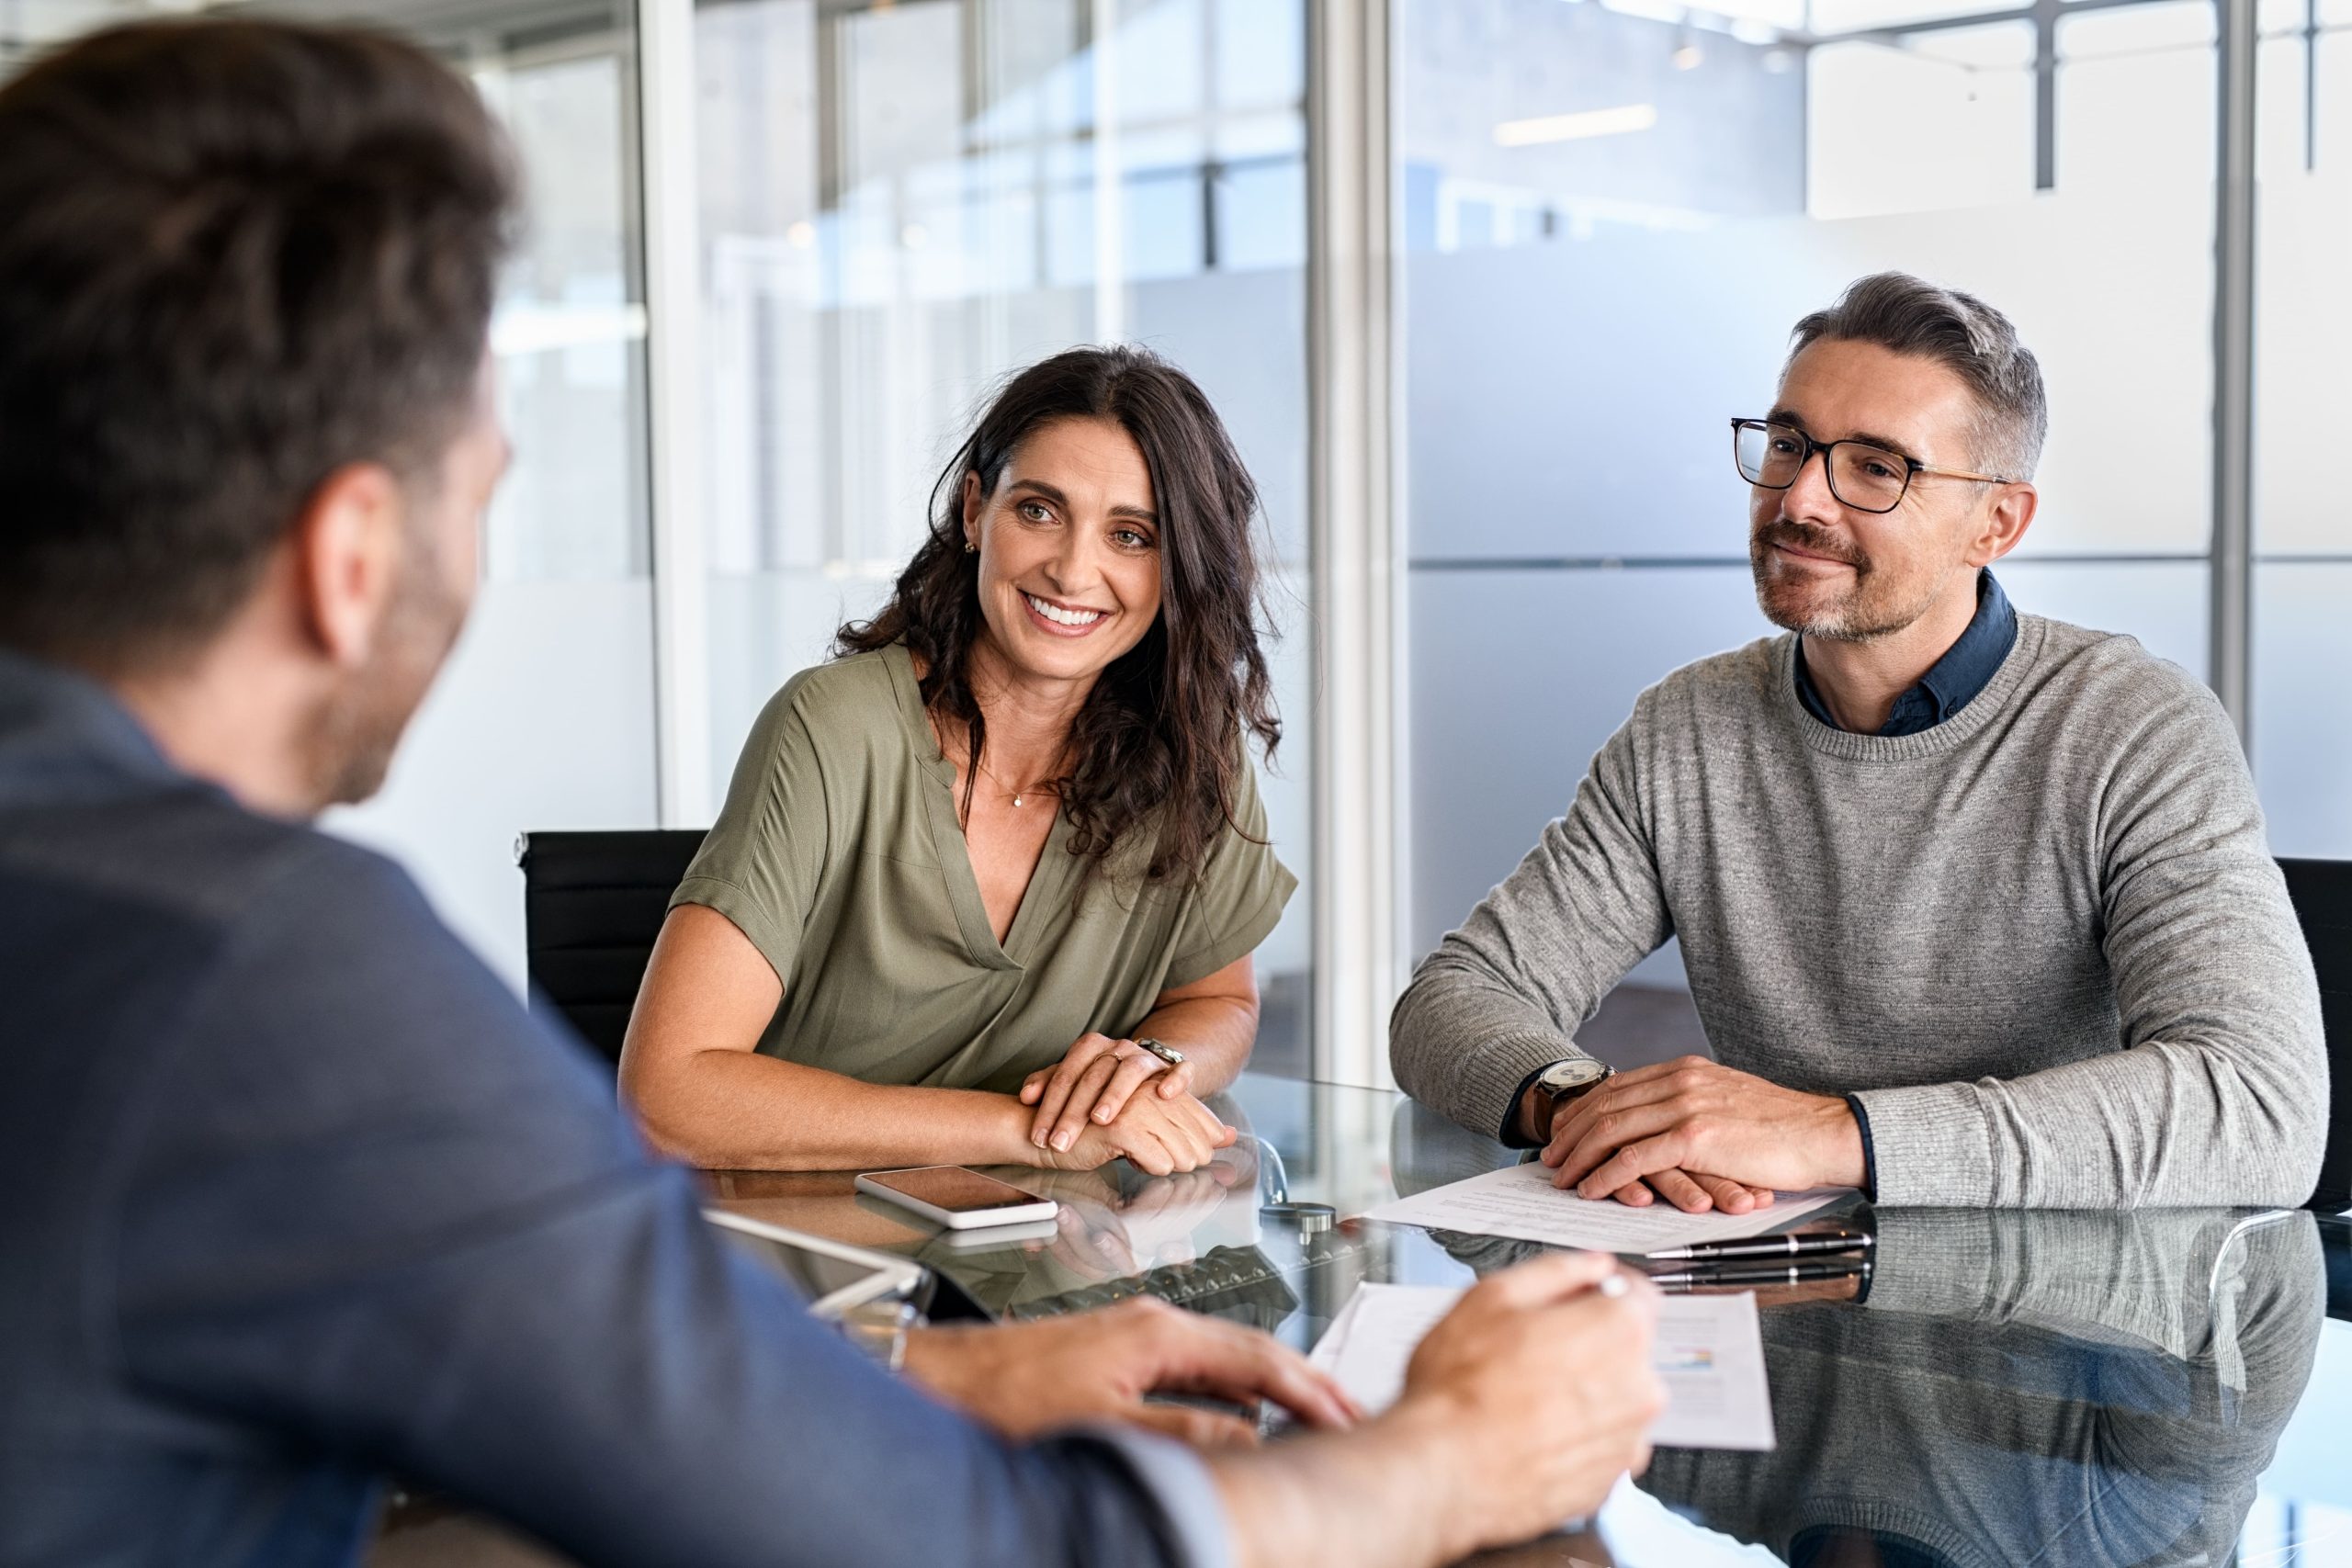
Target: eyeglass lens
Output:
[(1868, 478)]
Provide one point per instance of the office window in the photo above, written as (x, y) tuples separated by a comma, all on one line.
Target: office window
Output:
[(1614, 217), (902, 203)]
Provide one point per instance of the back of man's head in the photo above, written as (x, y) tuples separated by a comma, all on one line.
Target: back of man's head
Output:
[(237, 256)]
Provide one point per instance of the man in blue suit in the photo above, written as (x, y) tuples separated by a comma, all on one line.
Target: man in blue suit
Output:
[(296, 1193)]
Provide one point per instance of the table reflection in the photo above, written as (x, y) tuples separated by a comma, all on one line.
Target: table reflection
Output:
[(2027, 1388), (2012, 1387)]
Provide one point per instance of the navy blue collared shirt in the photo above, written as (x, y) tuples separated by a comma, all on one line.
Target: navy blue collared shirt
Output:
[(1952, 682)]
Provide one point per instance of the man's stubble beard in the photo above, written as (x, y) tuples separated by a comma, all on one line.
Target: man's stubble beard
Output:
[(356, 731), (1862, 614)]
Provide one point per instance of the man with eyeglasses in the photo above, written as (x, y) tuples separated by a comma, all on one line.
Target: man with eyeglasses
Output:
[(1976, 906)]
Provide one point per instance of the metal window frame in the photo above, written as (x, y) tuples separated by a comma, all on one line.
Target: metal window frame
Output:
[(672, 232), (1354, 376), (2230, 651)]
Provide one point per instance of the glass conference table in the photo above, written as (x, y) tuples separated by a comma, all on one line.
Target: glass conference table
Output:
[(2067, 1388)]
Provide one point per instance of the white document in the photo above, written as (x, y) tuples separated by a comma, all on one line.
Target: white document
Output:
[(1709, 1353), (1370, 1342), (1520, 1202)]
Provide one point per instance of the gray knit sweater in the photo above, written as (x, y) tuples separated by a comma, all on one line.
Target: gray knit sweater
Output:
[(2044, 940)]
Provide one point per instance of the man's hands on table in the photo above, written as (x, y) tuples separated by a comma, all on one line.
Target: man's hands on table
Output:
[(1027, 1377), (1701, 1135)]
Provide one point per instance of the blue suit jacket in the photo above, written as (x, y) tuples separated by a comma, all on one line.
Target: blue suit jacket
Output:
[(295, 1194)]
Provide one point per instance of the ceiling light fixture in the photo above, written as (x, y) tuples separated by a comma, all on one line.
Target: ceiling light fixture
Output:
[(1618, 121)]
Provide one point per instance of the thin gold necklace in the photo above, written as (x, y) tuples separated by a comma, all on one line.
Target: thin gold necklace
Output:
[(1018, 794)]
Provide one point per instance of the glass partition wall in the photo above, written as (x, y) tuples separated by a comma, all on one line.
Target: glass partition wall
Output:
[(1609, 212)]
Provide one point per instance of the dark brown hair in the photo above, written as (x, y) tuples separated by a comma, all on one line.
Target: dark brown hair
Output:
[(1161, 734), (237, 255), (1908, 315)]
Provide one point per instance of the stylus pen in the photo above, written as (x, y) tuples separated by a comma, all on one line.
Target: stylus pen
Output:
[(1795, 1243), (1749, 1274)]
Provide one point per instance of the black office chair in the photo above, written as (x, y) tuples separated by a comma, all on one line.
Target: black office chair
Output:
[(592, 903), (2322, 891)]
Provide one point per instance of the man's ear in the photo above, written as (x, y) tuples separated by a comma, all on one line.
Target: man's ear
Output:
[(347, 545), (2005, 523)]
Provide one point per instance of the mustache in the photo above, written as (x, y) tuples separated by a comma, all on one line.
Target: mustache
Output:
[(1810, 539)]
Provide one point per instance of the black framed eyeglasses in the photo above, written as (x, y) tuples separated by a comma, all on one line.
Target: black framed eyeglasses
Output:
[(1866, 477)]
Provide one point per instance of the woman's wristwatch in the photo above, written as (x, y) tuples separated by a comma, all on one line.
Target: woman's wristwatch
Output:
[(1563, 1081)]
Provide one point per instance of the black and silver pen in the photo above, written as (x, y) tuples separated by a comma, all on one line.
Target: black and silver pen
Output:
[(1749, 1275), (1792, 1244)]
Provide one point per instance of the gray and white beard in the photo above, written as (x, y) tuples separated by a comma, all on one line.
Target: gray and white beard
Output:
[(1856, 617)]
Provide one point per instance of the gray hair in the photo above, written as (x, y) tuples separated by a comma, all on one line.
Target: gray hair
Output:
[(1963, 334)]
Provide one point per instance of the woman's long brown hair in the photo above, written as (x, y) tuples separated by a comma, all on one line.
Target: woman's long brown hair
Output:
[(1159, 738)]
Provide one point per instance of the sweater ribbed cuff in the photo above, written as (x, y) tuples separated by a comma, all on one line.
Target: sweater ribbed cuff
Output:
[(1487, 1092), (1870, 1152), (1931, 1148)]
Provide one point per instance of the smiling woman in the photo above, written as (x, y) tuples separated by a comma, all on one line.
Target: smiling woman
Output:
[(1003, 863)]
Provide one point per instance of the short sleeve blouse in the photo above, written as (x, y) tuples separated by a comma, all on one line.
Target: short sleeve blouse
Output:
[(840, 854)]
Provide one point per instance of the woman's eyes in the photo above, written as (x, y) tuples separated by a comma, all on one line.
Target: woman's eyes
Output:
[(1038, 512)]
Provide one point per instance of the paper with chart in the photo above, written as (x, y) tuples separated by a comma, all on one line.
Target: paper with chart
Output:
[(1709, 1352), (1520, 1201)]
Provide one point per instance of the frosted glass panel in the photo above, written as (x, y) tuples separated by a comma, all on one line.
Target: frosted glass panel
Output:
[(1516, 679), (543, 719), (2165, 604), (2302, 706), (1571, 398)]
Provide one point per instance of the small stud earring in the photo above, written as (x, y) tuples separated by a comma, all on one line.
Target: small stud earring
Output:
[(970, 548)]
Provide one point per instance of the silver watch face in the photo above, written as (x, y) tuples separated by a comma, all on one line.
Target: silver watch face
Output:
[(1561, 1078)]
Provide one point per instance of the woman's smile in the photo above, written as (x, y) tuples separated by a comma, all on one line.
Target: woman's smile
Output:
[(1062, 619)]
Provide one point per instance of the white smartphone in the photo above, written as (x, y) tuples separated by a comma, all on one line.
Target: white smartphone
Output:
[(959, 1199)]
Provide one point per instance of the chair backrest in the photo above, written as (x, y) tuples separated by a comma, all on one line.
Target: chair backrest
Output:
[(592, 903), (2322, 891)]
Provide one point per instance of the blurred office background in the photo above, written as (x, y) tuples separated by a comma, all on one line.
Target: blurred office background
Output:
[(1476, 283)]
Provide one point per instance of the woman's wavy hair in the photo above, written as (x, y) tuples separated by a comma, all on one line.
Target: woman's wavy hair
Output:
[(1160, 735)]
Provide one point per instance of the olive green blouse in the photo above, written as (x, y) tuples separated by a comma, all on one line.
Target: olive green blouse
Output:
[(840, 856)]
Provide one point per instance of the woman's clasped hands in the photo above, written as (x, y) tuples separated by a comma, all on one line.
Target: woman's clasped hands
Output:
[(1089, 1113)]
